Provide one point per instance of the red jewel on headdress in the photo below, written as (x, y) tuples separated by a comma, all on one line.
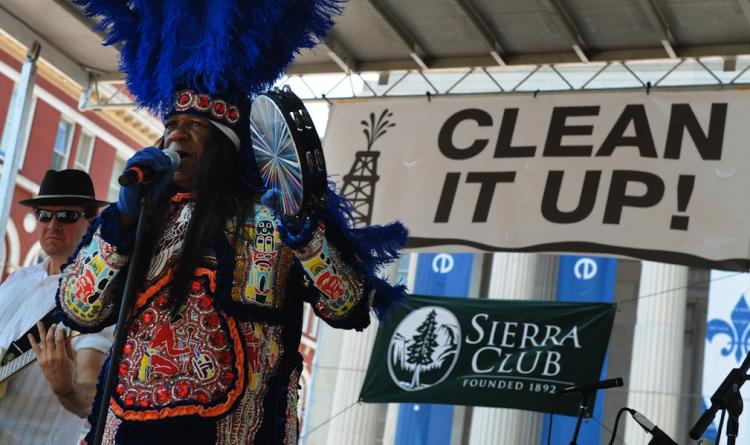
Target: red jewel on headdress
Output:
[(233, 115), (128, 348), (202, 102), (120, 389), (219, 109), (123, 368), (161, 300), (184, 99)]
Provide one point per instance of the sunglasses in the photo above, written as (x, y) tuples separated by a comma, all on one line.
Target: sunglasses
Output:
[(63, 216)]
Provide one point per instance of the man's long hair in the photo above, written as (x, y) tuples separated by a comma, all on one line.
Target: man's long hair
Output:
[(220, 195)]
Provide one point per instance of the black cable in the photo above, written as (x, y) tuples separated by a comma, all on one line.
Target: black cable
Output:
[(721, 423), (617, 421), (549, 430)]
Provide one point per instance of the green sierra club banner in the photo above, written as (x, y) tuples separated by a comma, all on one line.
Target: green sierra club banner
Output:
[(498, 353)]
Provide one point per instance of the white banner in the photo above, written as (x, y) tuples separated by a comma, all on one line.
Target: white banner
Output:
[(660, 176), (727, 342)]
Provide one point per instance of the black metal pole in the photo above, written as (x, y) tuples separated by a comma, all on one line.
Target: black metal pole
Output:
[(582, 407), (733, 422), (128, 297), (724, 398)]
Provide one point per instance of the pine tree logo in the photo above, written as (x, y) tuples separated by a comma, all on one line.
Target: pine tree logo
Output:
[(424, 348)]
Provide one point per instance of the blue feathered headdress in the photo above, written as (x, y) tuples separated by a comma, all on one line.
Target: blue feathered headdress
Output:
[(226, 47)]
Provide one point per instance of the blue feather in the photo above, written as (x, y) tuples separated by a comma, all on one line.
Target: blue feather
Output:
[(212, 46), (368, 248)]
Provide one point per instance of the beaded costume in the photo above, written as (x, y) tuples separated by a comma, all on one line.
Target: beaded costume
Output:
[(229, 360), (224, 367)]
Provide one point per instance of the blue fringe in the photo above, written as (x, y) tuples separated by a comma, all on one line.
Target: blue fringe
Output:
[(369, 248), (213, 46)]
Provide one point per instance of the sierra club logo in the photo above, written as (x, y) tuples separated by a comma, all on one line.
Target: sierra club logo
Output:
[(424, 348)]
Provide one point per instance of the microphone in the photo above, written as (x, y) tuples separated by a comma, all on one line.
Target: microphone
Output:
[(141, 174), (660, 437), (586, 387)]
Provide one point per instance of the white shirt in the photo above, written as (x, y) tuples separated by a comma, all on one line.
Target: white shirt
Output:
[(30, 413)]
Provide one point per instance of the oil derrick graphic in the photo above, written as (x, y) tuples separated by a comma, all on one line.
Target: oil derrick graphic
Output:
[(359, 184)]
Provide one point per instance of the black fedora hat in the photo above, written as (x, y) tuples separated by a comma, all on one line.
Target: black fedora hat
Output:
[(62, 187)]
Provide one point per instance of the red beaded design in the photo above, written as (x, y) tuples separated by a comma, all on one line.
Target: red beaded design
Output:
[(219, 109), (182, 367)]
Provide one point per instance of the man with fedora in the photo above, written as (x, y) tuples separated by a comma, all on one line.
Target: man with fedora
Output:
[(45, 404)]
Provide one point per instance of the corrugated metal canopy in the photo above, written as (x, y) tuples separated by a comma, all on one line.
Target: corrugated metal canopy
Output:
[(378, 35), (383, 35)]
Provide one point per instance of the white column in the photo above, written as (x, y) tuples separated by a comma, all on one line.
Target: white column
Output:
[(355, 425), (656, 362), (515, 276)]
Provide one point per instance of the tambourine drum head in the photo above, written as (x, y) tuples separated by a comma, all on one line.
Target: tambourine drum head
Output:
[(276, 153)]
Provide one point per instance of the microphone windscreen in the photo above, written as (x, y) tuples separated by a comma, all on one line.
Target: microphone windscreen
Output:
[(173, 155)]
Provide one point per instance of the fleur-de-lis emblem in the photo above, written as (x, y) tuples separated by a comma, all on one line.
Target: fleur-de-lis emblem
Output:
[(738, 333)]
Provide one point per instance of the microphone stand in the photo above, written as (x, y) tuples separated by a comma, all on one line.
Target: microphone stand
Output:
[(726, 398), (128, 298), (583, 406)]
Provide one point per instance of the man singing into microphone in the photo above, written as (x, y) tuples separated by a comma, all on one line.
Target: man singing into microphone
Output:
[(211, 351)]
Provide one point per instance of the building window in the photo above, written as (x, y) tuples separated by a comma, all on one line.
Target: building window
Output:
[(63, 141), (85, 151), (114, 186)]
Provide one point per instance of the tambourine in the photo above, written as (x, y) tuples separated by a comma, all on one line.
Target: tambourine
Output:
[(288, 152)]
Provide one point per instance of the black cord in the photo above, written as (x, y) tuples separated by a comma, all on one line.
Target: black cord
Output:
[(721, 423), (617, 421), (549, 430)]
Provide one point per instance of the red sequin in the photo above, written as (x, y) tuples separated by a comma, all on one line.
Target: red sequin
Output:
[(201, 397), (143, 401), (182, 390), (162, 394), (227, 377), (161, 300), (120, 389), (123, 368), (129, 400), (195, 286), (204, 302), (148, 317), (128, 348), (218, 339), (212, 320)]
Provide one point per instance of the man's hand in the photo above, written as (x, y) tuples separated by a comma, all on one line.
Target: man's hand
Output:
[(56, 358)]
